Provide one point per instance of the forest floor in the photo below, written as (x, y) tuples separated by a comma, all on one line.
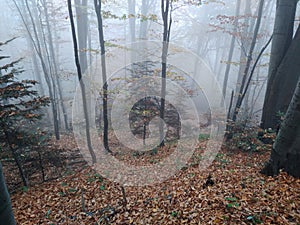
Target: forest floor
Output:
[(236, 193)]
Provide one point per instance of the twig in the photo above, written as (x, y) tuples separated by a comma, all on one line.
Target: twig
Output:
[(124, 198), (82, 200)]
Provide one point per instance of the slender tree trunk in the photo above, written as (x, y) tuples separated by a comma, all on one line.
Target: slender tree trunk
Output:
[(242, 92), (230, 55), (6, 212), (55, 65), (131, 11), (286, 149), (98, 6), (244, 47), (37, 47), (144, 23), (283, 35), (82, 31), (82, 85), (166, 11)]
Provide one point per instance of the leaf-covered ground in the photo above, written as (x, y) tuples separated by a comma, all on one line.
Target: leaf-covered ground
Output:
[(236, 193)]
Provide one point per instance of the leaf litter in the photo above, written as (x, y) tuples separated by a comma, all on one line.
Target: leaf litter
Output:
[(230, 191)]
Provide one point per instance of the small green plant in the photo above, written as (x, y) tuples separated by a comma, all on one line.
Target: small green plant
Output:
[(254, 219), (64, 184), (72, 190), (174, 214), (232, 202), (61, 194), (24, 188), (47, 215), (203, 137), (154, 151)]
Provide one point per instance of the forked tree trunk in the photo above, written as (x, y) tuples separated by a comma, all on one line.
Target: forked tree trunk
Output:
[(286, 149), (282, 39)]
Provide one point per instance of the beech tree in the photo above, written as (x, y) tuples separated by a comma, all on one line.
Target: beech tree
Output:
[(33, 24), (98, 6), (285, 55), (82, 31), (82, 84), (243, 88), (231, 49), (166, 12), (286, 149)]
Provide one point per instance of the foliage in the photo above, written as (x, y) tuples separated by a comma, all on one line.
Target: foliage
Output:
[(20, 106)]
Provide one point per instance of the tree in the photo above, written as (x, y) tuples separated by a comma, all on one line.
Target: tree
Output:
[(237, 12), (37, 37), (98, 5), (144, 23), (243, 88), (19, 105), (166, 12), (286, 149), (284, 48), (6, 212), (82, 31), (54, 63), (82, 85)]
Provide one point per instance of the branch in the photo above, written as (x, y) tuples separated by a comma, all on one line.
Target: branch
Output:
[(254, 66)]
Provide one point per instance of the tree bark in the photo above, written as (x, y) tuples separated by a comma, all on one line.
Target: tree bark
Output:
[(6, 212), (286, 149), (166, 11), (82, 85), (82, 31), (282, 39), (97, 4)]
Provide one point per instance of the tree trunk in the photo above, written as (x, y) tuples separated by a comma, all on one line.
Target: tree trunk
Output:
[(55, 65), (82, 85), (286, 149), (282, 39), (144, 23), (82, 31), (166, 11), (38, 49), (244, 48), (6, 212), (242, 92), (98, 6), (230, 55)]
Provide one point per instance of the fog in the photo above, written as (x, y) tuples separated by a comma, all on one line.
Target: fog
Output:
[(205, 29)]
